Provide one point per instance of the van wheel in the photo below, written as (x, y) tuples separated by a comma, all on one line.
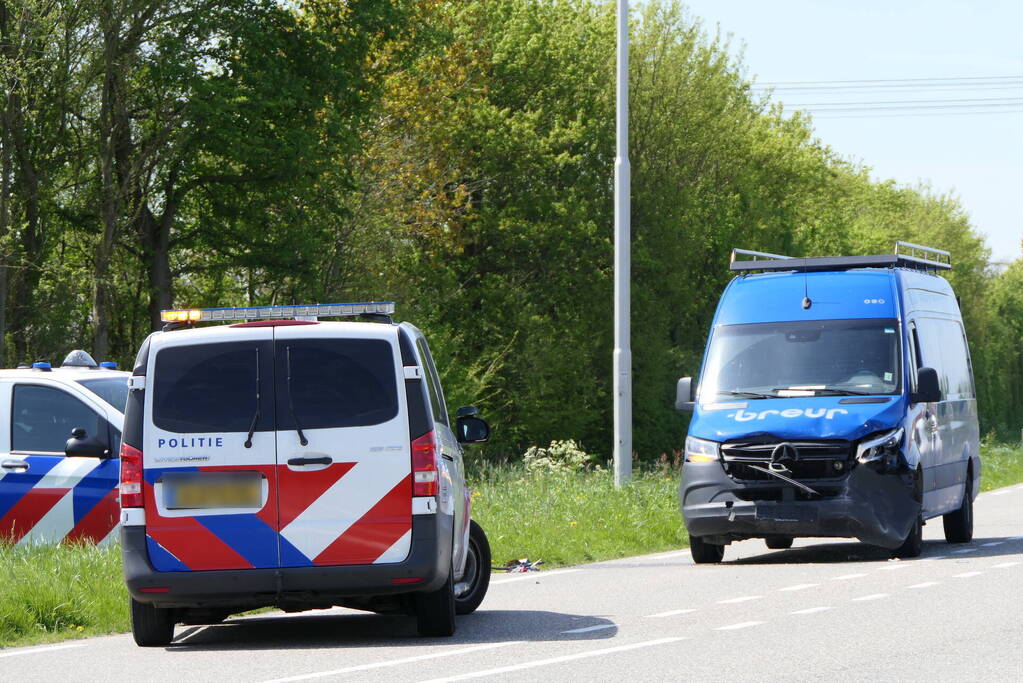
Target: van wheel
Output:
[(151, 626), (914, 542), (779, 542), (435, 611), (477, 571), (704, 552), (959, 524)]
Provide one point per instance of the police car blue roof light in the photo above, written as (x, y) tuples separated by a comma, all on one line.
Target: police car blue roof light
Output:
[(109, 364), (305, 311), (41, 365)]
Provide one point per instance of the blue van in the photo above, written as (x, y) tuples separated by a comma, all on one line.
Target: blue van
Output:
[(836, 400)]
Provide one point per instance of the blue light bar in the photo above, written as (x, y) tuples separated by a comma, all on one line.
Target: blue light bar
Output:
[(269, 312), (40, 365), (109, 364)]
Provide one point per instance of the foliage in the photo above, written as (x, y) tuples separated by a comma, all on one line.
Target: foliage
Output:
[(561, 457), (456, 157)]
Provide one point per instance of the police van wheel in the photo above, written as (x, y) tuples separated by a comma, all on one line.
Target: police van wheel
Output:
[(151, 626), (435, 611), (704, 552), (477, 571), (779, 542), (959, 524), (914, 542)]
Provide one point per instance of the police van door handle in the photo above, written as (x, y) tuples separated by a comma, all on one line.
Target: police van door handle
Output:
[(319, 460), (16, 465)]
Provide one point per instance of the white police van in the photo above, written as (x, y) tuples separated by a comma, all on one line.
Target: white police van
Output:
[(59, 437), (283, 461)]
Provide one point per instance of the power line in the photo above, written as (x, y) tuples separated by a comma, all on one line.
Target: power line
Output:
[(908, 102), (824, 116), (898, 80)]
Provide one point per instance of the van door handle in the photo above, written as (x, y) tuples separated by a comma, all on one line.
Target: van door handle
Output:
[(16, 465), (319, 460), (447, 457)]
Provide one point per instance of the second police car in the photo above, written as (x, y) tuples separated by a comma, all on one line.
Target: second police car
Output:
[(59, 438), (278, 460)]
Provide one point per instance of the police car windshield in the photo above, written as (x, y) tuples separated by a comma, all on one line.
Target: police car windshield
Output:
[(113, 390), (814, 358)]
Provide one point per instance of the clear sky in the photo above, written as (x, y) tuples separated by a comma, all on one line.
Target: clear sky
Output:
[(959, 136)]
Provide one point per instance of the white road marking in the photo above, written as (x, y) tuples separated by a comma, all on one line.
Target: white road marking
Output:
[(34, 650), (846, 577), (875, 596), (925, 584), (1002, 492), (811, 610), (799, 587), (891, 566), (966, 575), (992, 544), (670, 613), (741, 624), (744, 598), (533, 575), (1004, 565), (394, 662), (587, 629), (935, 557), (555, 660), (964, 550)]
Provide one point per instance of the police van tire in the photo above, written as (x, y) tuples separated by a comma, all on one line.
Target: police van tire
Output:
[(151, 626), (435, 611), (477, 570), (778, 542), (913, 545), (959, 524), (704, 552)]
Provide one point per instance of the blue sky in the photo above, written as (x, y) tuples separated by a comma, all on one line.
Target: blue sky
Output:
[(966, 149)]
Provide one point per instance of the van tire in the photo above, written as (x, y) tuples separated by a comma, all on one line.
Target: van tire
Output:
[(704, 552), (477, 570), (435, 611), (779, 542), (914, 543), (959, 524), (151, 626)]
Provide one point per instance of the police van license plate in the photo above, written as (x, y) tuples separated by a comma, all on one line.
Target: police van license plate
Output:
[(204, 490)]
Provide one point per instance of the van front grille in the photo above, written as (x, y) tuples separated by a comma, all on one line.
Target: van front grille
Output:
[(802, 460)]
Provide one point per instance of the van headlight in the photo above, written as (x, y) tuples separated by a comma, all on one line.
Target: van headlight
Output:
[(883, 447), (699, 450)]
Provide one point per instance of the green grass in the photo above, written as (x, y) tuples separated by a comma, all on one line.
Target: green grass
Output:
[(55, 593), (573, 518), (51, 593)]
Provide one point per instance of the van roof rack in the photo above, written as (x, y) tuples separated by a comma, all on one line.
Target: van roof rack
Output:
[(906, 255)]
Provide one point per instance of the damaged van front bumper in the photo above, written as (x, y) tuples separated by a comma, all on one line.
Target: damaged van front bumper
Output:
[(872, 503)]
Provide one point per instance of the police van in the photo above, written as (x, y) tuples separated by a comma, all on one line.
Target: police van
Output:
[(281, 460), (60, 432), (836, 399)]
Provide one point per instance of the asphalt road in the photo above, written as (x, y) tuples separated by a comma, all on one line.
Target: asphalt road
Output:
[(824, 609)]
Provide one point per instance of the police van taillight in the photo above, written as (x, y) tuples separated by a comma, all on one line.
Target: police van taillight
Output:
[(424, 466), (131, 477)]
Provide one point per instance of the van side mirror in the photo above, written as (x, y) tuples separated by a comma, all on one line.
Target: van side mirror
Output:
[(471, 429), (81, 445), (927, 388), (684, 399)]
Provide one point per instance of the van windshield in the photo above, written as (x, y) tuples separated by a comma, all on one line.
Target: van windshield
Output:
[(815, 358)]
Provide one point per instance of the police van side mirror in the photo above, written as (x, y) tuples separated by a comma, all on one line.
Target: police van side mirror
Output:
[(81, 445), (927, 388), (684, 399), (471, 429)]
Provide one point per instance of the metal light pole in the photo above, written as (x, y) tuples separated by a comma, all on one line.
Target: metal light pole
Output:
[(623, 348)]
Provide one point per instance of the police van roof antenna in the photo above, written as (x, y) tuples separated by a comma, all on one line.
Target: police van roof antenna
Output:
[(806, 290)]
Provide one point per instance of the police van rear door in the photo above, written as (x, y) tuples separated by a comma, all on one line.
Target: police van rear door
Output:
[(209, 453), (343, 445)]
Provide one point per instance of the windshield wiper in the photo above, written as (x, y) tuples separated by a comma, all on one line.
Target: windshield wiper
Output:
[(832, 391), (291, 406), (748, 394), (255, 418)]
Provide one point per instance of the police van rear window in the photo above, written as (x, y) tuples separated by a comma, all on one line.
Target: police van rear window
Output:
[(324, 383), (214, 387)]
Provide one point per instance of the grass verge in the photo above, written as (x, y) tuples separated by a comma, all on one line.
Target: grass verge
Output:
[(56, 593)]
